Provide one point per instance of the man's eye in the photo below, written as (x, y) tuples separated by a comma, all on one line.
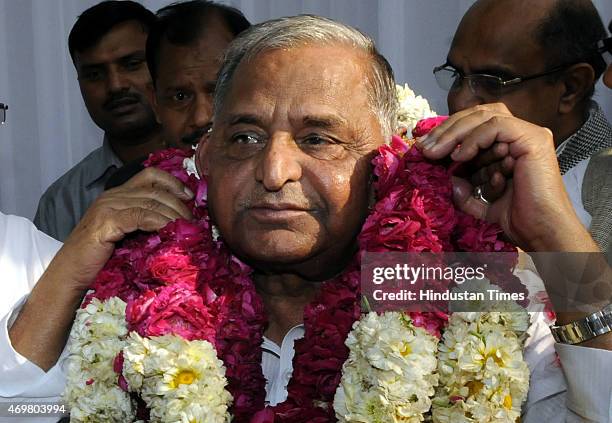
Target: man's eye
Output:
[(316, 140), (92, 75), (245, 139), (180, 96), (134, 64)]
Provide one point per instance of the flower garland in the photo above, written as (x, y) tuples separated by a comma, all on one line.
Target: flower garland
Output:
[(186, 297)]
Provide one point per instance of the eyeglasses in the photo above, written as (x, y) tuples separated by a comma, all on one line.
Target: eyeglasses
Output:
[(481, 84), (3, 109), (604, 47)]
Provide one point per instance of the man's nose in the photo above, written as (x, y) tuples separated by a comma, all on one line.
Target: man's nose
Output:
[(201, 112), (117, 82), (279, 163), (462, 97)]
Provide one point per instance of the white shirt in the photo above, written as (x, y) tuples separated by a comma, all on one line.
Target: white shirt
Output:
[(572, 180), (25, 252), (581, 392)]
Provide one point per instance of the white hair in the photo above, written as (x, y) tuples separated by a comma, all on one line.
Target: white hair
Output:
[(297, 31)]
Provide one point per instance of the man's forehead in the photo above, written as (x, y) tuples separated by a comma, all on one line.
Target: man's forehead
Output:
[(484, 41), (300, 70), (305, 81), (122, 40), (203, 56)]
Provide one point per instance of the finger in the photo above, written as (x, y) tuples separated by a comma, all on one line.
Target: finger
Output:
[(156, 178), (495, 187), (504, 168), (464, 199), (150, 199), (130, 220), (507, 166), (148, 204), (443, 139), (518, 134), (496, 153)]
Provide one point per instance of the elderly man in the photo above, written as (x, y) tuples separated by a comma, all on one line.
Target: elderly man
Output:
[(107, 46), (300, 107), (540, 59)]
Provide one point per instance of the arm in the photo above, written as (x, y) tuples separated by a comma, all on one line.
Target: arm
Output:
[(147, 202), (534, 210)]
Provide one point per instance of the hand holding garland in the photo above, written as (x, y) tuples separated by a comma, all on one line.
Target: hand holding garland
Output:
[(534, 209), (147, 202)]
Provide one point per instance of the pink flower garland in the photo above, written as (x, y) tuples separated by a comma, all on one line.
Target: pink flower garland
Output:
[(182, 281)]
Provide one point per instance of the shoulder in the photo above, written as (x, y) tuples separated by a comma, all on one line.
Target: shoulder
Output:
[(21, 234), (74, 176), (598, 173), (601, 162)]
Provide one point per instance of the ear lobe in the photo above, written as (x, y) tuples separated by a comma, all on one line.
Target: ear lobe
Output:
[(578, 83), (201, 156)]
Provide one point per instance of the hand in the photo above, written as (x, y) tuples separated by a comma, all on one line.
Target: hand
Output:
[(534, 204), (147, 202), (491, 170)]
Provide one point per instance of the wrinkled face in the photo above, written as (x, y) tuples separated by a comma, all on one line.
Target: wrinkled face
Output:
[(185, 85), (114, 78), (501, 43), (289, 159)]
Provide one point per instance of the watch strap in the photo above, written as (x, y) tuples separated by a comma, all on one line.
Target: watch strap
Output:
[(589, 327)]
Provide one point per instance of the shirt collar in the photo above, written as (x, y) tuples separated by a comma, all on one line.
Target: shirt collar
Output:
[(100, 161), (594, 135)]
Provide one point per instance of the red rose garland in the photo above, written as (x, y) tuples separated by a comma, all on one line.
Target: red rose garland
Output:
[(181, 281)]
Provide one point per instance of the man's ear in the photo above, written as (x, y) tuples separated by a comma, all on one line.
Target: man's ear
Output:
[(150, 93), (578, 82), (201, 156)]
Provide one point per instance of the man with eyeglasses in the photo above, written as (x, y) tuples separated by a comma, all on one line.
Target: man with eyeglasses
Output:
[(540, 59)]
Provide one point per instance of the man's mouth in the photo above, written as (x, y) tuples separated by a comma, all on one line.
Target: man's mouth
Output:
[(120, 106), (277, 212)]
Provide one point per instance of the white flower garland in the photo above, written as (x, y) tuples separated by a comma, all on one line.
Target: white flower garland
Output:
[(98, 335), (179, 380), (483, 375), (389, 375), (412, 108)]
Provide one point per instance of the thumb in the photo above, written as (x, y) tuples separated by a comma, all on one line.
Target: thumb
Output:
[(465, 201)]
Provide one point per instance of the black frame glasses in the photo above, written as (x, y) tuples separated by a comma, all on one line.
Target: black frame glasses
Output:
[(450, 79), (3, 109)]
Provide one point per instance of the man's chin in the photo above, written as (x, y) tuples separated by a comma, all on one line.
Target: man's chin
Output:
[(132, 130)]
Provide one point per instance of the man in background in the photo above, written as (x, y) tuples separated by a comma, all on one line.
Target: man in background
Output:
[(185, 49), (107, 46), (540, 59)]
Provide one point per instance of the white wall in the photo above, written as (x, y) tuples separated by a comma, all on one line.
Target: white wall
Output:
[(49, 130)]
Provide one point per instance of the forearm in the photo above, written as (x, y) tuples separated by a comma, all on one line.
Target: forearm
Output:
[(41, 330), (578, 278)]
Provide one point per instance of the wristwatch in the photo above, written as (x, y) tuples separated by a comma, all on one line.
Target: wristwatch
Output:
[(596, 324)]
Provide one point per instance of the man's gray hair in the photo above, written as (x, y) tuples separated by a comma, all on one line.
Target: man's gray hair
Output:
[(297, 31)]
